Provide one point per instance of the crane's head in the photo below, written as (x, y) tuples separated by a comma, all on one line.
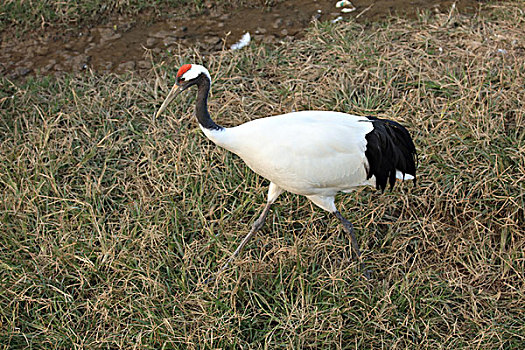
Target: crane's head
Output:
[(188, 75)]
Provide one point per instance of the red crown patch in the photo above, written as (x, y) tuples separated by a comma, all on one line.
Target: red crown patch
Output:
[(183, 69)]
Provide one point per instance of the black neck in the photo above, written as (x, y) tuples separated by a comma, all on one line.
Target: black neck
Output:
[(201, 107)]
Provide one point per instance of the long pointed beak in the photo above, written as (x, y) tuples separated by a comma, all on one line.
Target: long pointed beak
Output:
[(175, 90)]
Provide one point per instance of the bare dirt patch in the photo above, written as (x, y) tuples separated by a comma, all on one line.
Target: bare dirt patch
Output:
[(119, 46)]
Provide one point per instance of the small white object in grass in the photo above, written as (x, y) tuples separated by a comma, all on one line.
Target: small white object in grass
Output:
[(440, 50), (319, 11), (502, 51), (348, 10), (344, 3), (335, 20), (245, 41)]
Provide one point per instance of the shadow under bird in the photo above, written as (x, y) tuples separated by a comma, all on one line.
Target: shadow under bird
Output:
[(311, 153)]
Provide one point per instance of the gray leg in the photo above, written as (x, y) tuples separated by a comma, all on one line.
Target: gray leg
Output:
[(273, 192), (349, 228), (257, 225)]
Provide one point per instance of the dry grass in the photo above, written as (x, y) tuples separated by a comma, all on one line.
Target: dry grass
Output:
[(110, 222), (21, 16)]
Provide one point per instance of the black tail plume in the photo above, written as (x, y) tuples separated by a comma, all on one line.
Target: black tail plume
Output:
[(389, 148)]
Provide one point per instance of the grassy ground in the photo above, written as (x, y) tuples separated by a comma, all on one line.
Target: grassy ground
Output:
[(26, 15), (110, 221)]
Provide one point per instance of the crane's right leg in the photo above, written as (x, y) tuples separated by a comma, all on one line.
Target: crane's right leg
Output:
[(273, 192), (327, 203), (349, 228)]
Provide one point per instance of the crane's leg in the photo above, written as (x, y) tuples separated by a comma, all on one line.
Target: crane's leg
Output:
[(349, 228), (273, 192), (257, 225), (327, 203)]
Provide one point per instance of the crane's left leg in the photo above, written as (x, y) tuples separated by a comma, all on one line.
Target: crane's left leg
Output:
[(273, 192)]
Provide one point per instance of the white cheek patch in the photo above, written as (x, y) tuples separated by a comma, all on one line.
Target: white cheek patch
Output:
[(194, 72)]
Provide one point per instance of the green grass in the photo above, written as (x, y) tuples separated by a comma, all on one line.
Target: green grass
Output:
[(24, 15), (110, 221)]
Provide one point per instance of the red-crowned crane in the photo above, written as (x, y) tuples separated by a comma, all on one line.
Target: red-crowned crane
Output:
[(312, 153)]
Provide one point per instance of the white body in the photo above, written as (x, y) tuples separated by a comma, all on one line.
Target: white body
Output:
[(311, 153)]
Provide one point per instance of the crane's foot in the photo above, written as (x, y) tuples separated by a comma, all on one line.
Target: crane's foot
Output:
[(356, 253)]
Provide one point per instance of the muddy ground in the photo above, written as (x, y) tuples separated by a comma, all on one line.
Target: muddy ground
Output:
[(121, 44)]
